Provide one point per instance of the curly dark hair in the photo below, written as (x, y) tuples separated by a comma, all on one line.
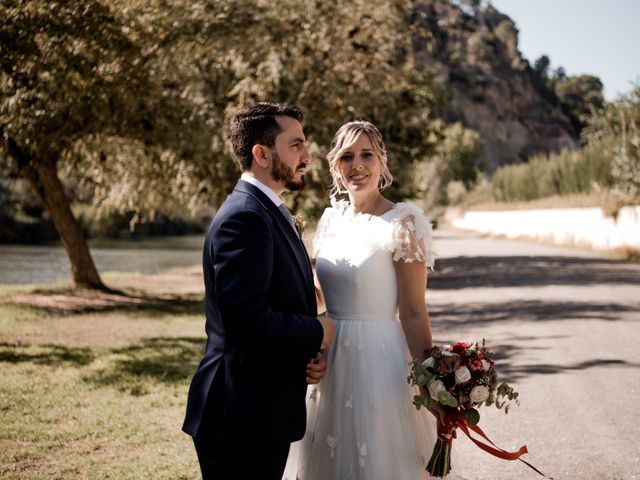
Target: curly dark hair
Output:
[(256, 124)]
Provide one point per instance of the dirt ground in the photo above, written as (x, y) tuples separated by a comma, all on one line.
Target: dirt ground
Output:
[(565, 324)]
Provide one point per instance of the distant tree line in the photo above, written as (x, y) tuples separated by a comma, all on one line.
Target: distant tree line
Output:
[(578, 96)]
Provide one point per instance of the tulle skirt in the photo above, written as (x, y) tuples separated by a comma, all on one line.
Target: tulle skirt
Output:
[(362, 424)]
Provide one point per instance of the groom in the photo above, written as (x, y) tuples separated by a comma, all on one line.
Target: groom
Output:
[(247, 398)]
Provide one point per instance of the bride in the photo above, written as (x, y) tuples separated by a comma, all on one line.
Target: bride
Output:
[(372, 258)]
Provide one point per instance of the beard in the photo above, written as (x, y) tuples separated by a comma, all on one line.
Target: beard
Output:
[(283, 173)]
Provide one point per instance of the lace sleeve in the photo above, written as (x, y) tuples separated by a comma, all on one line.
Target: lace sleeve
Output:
[(411, 237), (321, 231)]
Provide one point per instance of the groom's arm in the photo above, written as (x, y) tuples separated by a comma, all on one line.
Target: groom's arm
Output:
[(243, 265)]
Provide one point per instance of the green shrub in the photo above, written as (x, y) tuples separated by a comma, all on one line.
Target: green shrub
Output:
[(564, 173)]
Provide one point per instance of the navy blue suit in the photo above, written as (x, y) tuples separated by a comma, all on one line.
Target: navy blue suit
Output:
[(261, 325)]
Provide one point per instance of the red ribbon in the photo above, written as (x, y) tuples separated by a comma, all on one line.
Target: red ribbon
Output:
[(457, 420)]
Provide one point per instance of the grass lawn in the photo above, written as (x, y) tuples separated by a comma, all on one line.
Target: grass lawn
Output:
[(94, 385)]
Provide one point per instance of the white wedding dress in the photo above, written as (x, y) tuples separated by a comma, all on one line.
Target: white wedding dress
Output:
[(361, 423)]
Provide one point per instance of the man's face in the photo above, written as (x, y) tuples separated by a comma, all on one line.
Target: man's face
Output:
[(289, 155)]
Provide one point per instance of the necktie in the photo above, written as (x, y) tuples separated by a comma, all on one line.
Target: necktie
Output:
[(287, 214)]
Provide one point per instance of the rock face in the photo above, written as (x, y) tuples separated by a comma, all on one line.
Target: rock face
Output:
[(473, 55)]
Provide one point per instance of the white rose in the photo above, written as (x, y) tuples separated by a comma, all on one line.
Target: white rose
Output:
[(479, 394), (435, 387), (428, 363), (485, 365), (463, 375)]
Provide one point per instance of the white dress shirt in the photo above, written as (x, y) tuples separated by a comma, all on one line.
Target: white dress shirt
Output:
[(275, 198)]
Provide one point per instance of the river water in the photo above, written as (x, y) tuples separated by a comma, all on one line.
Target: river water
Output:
[(29, 264)]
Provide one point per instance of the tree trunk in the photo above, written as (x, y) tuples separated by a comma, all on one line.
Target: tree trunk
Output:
[(43, 177), (51, 191)]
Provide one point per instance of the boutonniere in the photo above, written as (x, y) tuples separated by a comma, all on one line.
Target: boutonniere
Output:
[(300, 224)]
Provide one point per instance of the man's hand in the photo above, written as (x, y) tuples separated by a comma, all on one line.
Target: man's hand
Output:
[(316, 369), (328, 329)]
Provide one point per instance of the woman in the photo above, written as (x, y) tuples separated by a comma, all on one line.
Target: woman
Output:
[(372, 259)]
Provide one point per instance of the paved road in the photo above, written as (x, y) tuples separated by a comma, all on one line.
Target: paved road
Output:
[(565, 324)]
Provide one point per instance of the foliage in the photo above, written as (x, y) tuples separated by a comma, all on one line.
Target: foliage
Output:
[(541, 66), (562, 173), (578, 96), (616, 127), (340, 62), (76, 72), (22, 219), (455, 160)]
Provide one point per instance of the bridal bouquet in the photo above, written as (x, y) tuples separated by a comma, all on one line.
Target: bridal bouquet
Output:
[(460, 378)]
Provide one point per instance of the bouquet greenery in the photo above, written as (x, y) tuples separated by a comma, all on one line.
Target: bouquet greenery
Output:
[(457, 379)]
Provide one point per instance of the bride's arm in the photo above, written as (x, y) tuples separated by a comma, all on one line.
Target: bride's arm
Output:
[(412, 284), (319, 295)]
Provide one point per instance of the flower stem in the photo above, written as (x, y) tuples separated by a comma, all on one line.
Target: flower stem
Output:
[(440, 463)]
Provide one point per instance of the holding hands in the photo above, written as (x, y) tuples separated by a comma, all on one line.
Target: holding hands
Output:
[(317, 367)]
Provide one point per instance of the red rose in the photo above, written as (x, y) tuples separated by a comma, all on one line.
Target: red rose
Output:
[(475, 365), (460, 348)]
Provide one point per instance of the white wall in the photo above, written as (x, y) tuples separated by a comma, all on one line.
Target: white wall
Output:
[(587, 227)]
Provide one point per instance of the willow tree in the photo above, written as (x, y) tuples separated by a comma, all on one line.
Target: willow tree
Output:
[(74, 74)]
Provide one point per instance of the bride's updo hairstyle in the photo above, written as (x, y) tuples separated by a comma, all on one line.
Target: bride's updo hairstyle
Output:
[(344, 139)]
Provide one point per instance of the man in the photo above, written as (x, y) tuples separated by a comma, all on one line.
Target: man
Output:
[(247, 398)]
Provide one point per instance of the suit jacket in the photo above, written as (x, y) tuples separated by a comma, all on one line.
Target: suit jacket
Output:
[(261, 325)]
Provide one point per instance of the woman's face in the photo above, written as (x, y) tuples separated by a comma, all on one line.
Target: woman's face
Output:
[(360, 167)]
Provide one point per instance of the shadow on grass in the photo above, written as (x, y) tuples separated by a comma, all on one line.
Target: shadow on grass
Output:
[(79, 301), (161, 307), (51, 355), (167, 360)]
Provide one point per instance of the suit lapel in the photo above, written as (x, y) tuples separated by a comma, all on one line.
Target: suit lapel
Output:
[(293, 240)]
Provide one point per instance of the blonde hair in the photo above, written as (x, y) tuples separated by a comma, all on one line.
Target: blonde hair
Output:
[(344, 138)]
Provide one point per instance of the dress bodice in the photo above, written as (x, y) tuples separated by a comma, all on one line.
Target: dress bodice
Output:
[(355, 255)]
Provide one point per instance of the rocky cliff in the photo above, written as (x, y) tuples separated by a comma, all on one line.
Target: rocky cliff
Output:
[(473, 55)]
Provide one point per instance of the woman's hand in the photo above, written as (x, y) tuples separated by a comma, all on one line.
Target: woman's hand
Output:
[(445, 432)]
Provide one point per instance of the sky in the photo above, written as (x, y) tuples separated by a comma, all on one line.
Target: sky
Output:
[(597, 37)]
